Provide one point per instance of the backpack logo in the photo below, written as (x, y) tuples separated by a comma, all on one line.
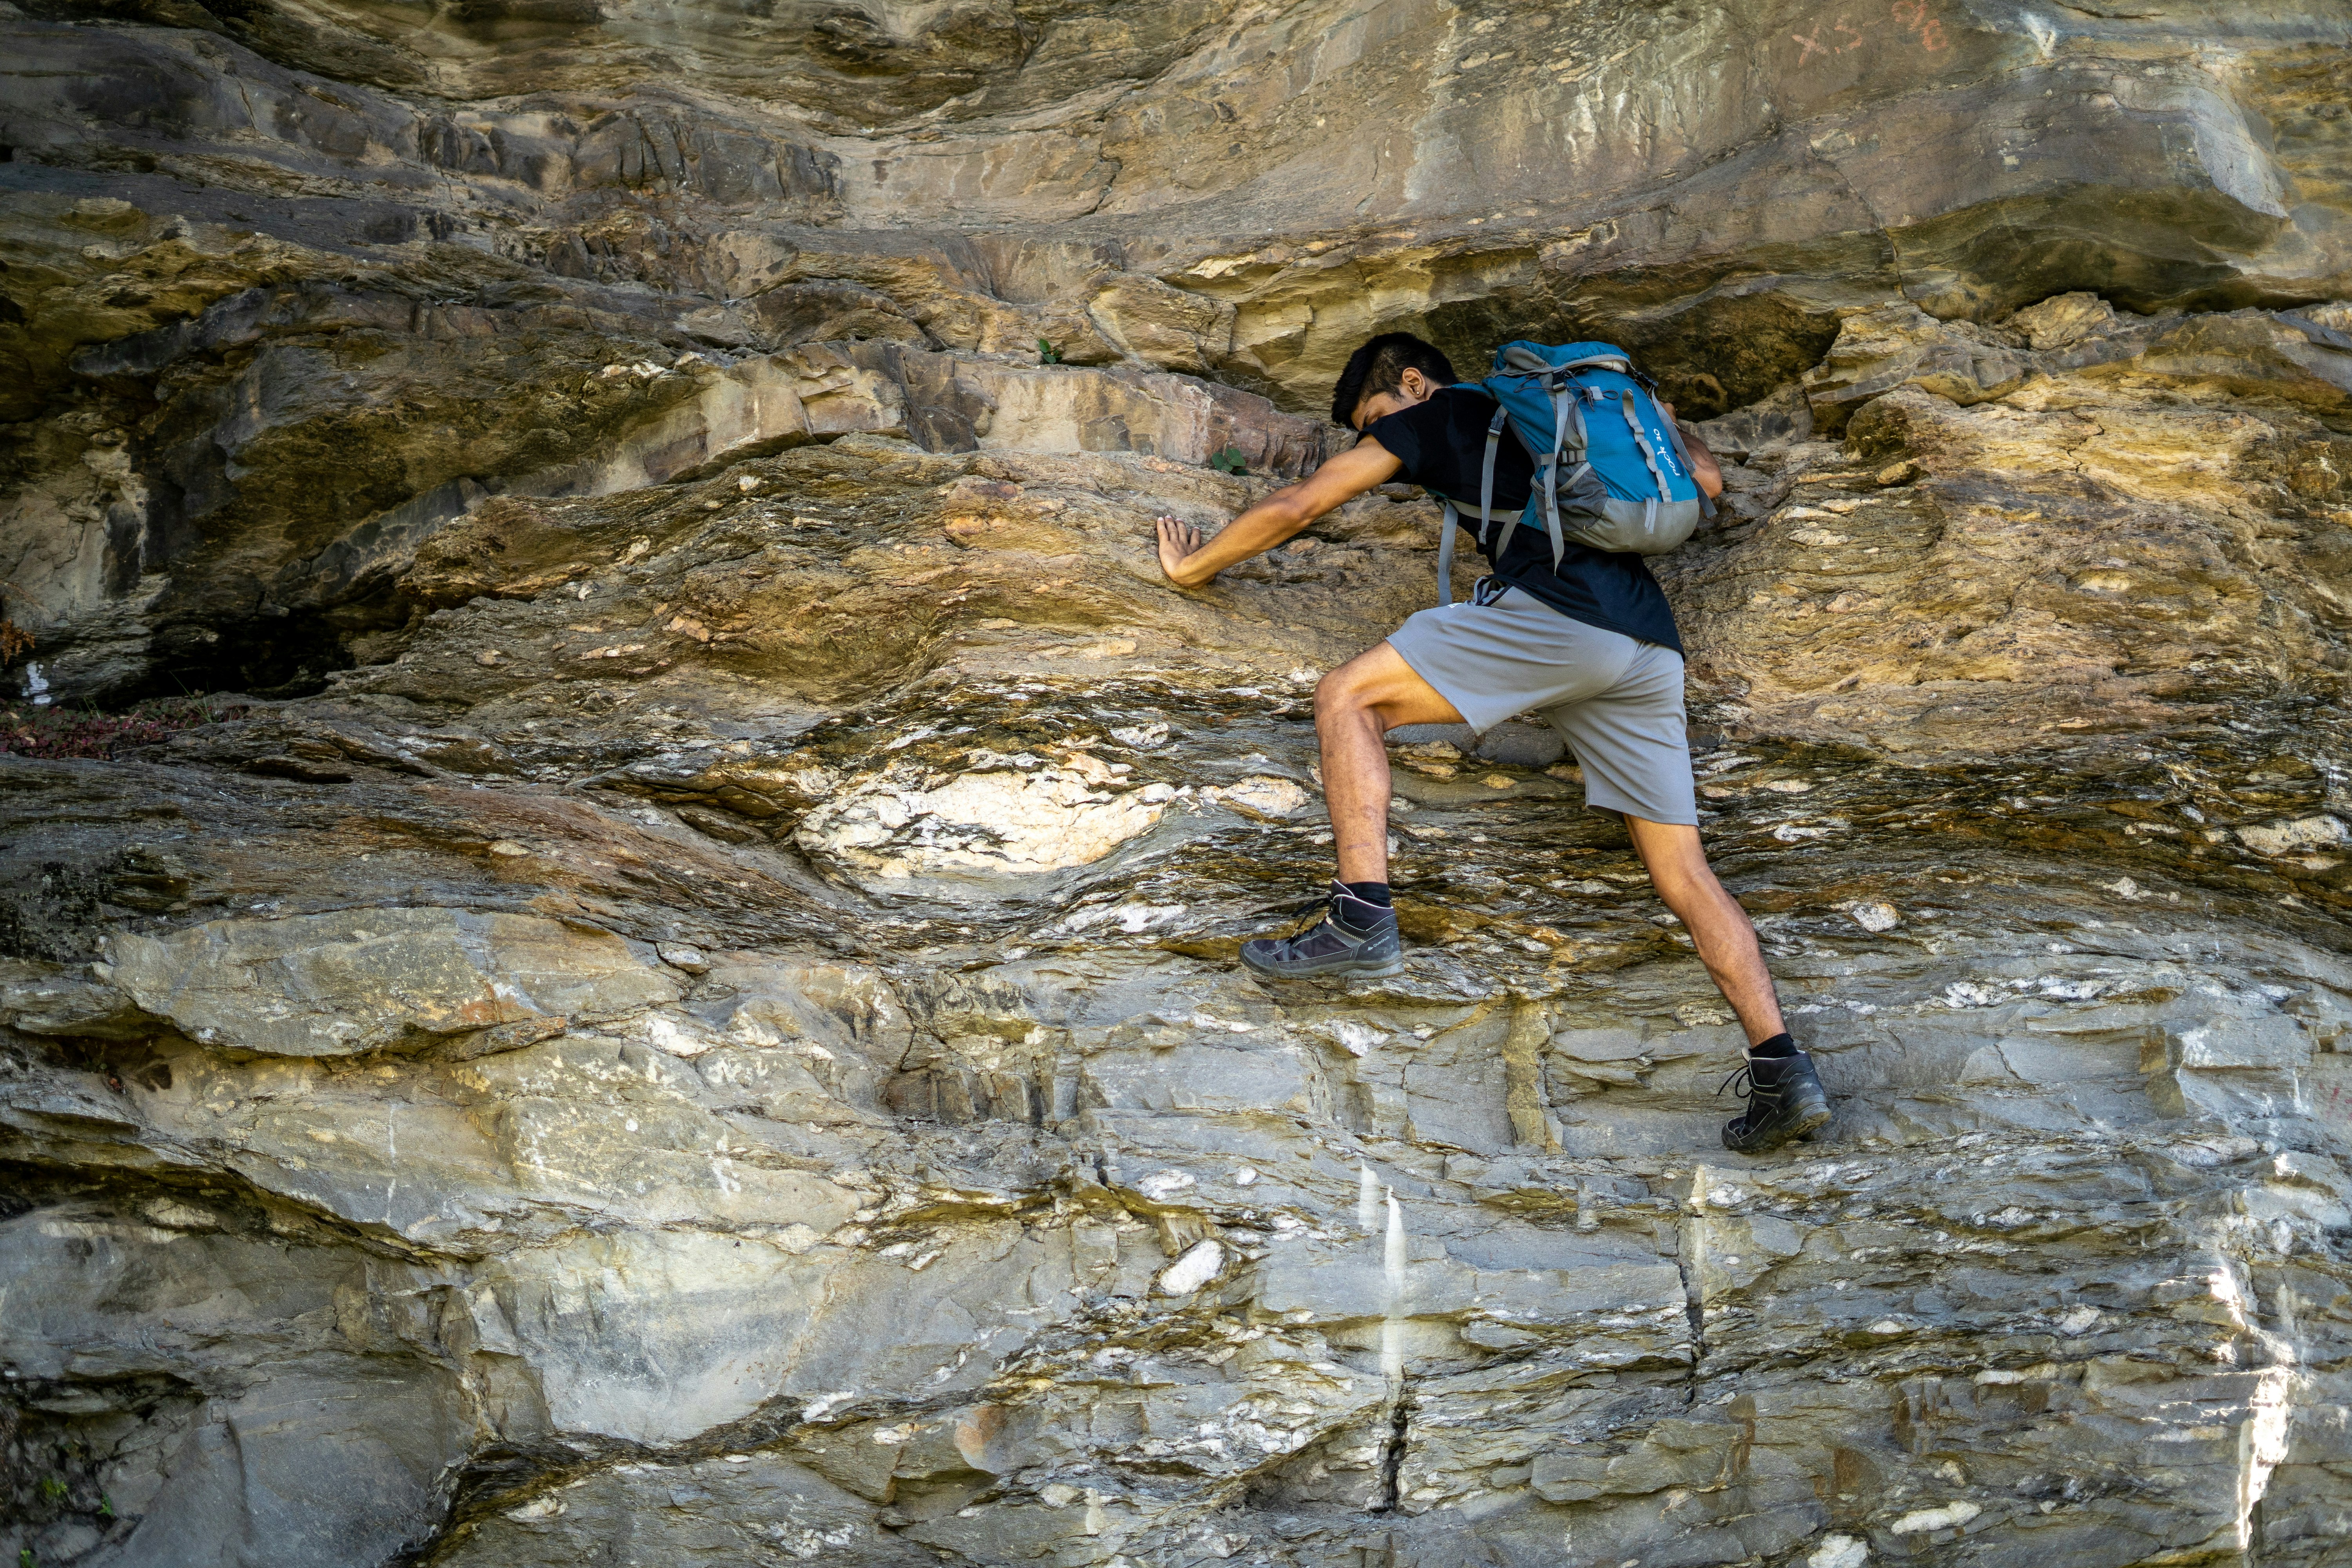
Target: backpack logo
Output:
[(1612, 472)]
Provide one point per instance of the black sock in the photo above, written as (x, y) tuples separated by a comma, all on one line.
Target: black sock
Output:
[(1780, 1044), (1371, 892)]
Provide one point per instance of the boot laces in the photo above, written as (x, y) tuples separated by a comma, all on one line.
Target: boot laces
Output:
[(1311, 914), (1744, 1075)]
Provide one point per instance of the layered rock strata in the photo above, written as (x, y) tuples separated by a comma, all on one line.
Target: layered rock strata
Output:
[(680, 1006)]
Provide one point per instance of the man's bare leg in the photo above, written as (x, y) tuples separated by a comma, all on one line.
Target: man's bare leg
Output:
[(1355, 706), (1720, 928), (1785, 1097)]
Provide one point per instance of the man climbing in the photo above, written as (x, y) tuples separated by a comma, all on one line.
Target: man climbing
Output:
[(1581, 635)]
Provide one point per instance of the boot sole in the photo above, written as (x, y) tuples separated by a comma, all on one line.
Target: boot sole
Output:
[(1804, 1127), (1331, 971)]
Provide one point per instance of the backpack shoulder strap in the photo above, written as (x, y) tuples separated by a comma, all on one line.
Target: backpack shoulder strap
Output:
[(1487, 473), (1446, 525)]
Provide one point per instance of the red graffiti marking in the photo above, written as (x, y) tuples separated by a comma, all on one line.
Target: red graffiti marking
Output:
[(1913, 14), (1927, 33)]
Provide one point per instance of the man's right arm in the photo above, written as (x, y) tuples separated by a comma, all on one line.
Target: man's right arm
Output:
[(1189, 562)]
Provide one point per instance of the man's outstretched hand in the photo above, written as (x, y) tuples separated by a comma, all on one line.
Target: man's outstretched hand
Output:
[(1176, 540), (1191, 561)]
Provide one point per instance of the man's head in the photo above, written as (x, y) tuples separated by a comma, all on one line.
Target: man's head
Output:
[(1395, 370)]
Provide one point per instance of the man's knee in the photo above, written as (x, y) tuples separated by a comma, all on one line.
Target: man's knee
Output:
[(1343, 691), (1673, 856)]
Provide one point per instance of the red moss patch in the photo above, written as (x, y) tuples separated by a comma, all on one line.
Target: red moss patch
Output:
[(63, 733)]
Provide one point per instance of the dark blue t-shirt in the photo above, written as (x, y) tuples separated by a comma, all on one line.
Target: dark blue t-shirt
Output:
[(1442, 444)]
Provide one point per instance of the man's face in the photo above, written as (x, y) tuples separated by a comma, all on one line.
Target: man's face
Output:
[(1416, 388)]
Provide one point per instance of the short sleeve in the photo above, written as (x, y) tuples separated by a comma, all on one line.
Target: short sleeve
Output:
[(1400, 436)]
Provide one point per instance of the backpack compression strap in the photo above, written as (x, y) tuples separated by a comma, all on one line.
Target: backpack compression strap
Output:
[(1649, 455), (1563, 411)]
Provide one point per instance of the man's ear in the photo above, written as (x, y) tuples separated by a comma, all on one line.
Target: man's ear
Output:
[(1413, 385)]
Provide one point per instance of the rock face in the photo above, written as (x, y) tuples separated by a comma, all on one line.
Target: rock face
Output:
[(676, 1003)]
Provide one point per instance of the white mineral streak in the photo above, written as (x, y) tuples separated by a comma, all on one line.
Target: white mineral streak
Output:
[(1368, 1200), (2263, 1438), (2263, 1431), (1392, 1293)]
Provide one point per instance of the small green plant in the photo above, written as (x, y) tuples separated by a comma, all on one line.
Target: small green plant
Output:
[(53, 1489), (1230, 461), (106, 1507), (25, 1558), (1047, 354)]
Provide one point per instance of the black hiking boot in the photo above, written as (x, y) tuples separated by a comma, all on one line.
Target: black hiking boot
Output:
[(1785, 1102), (1352, 937)]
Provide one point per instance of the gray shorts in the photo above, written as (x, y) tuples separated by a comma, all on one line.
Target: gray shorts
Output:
[(1616, 699)]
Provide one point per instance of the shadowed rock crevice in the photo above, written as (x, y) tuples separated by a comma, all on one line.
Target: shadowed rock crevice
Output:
[(1393, 1451)]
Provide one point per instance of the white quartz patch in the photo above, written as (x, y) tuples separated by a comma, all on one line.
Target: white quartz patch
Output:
[(1004, 823), (1267, 797), (1195, 1269)]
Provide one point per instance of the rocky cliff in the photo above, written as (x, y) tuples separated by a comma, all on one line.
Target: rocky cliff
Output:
[(662, 989)]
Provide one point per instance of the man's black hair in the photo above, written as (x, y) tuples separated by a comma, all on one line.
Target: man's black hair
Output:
[(1380, 366)]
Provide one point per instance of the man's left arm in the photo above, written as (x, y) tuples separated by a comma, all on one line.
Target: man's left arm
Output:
[(1189, 562)]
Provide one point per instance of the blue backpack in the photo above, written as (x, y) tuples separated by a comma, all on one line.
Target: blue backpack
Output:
[(1612, 471)]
